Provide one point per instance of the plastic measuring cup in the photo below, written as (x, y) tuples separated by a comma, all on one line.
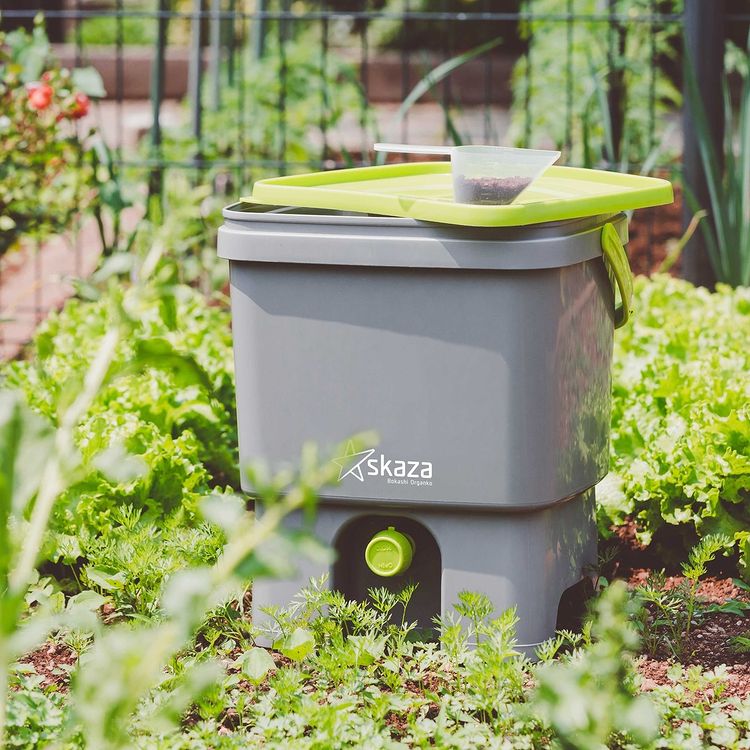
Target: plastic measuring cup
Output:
[(488, 175)]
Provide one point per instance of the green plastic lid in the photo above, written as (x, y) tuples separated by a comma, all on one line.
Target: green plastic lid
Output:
[(424, 190), (389, 553)]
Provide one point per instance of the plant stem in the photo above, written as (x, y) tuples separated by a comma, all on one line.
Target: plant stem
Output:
[(675, 251), (261, 530), (53, 482), (691, 606), (3, 690)]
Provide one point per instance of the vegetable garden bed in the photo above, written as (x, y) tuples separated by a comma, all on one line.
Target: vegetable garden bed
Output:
[(167, 664)]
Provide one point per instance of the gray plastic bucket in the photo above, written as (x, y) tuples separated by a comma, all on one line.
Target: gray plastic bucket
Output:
[(482, 359)]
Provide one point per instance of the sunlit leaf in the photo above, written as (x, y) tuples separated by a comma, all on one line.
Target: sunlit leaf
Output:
[(256, 664), (296, 646)]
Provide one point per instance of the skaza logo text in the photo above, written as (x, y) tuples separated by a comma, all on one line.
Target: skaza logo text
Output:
[(397, 471)]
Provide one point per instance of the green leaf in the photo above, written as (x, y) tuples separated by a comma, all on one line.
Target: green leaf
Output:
[(434, 77), (727, 231), (226, 511), (116, 265), (30, 51), (256, 664), (366, 649), (64, 548), (188, 593), (118, 465), (85, 290), (159, 353), (299, 644), (104, 579), (27, 442), (732, 606), (89, 82), (88, 600), (680, 437)]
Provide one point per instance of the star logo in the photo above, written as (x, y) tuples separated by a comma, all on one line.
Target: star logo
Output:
[(347, 467)]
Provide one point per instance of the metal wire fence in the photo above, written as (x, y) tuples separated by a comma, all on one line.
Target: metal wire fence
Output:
[(227, 91), (224, 45)]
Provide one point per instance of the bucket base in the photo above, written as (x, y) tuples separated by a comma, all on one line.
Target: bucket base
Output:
[(525, 560)]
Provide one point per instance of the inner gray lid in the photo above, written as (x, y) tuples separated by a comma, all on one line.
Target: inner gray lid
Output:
[(273, 234)]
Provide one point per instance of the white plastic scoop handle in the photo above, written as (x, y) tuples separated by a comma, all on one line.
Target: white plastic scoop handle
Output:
[(406, 148)]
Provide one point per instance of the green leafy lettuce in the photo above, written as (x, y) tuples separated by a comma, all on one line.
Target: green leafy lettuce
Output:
[(680, 447), (161, 435)]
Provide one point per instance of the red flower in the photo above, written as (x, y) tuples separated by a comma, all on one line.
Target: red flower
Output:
[(81, 106), (40, 96)]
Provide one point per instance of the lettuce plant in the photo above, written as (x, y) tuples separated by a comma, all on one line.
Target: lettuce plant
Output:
[(155, 439), (680, 445)]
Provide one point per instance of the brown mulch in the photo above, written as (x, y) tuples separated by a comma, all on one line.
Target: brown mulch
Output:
[(651, 230), (709, 642), (53, 662), (667, 551), (735, 684), (430, 682), (398, 723), (711, 589)]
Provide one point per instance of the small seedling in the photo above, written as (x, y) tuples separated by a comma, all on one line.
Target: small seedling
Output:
[(601, 572), (669, 615), (740, 644), (696, 566)]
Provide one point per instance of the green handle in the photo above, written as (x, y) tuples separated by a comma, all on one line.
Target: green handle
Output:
[(619, 267)]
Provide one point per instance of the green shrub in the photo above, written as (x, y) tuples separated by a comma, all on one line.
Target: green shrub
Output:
[(360, 682), (35, 717), (277, 110), (680, 446), (540, 81), (103, 30), (46, 177), (589, 698), (349, 674)]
